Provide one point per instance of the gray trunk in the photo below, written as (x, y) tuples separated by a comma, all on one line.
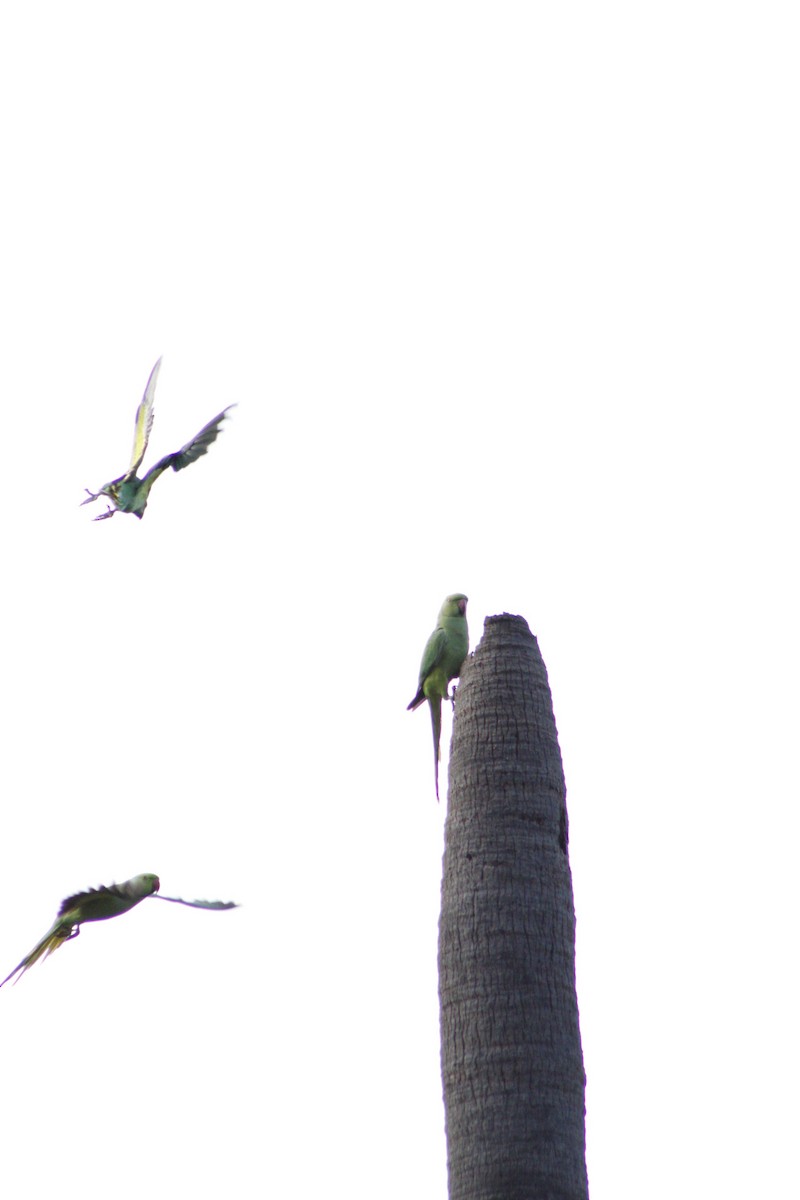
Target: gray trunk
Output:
[(512, 1065)]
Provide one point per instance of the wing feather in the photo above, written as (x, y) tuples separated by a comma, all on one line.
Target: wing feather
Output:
[(432, 654), (200, 443), (144, 422), (215, 904), (84, 900), (187, 454)]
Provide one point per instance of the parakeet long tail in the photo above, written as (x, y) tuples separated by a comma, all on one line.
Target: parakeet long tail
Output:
[(436, 724), (54, 938)]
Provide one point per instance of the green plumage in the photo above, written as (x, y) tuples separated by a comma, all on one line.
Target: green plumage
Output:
[(129, 493), (444, 653), (100, 904)]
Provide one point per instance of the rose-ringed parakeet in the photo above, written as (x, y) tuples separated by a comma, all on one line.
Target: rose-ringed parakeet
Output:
[(100, 904), (445, 651), (129, 493)]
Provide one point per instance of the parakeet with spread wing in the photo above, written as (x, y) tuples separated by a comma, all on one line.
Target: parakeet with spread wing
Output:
[(445, 651), (129, 493), (100, 904)]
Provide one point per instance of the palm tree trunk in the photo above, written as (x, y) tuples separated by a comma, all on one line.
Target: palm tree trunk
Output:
[(512, 1064)]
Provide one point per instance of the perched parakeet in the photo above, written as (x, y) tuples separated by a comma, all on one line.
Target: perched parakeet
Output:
[(445, 651), (100, 904), (129, 493)]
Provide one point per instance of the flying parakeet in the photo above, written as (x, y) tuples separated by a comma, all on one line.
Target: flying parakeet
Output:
[(129, 493), (446, 649), (100, 904)]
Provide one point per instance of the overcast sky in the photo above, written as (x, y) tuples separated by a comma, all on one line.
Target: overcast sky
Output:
[(507, 297)]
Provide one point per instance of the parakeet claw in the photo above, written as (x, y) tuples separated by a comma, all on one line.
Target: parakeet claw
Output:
[(90, 496), (103, 516)]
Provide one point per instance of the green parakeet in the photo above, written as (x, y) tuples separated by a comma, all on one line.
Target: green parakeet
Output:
[(100, 904), (129, 493), (445, 651)]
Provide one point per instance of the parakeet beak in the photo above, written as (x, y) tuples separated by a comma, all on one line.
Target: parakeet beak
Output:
[(462, 604)]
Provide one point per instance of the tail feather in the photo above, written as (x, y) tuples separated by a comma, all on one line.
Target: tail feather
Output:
[(436, 725), (54, 938)]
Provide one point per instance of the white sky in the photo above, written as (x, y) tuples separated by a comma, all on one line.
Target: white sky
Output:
[(507, 296)]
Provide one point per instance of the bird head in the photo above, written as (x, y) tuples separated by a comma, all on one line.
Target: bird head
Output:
[(146, 884), (455, 605)]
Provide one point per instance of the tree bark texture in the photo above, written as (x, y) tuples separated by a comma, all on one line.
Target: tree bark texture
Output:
[(512, 1064)]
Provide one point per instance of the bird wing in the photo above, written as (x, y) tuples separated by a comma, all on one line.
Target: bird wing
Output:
[(98, 904), (84, 899), (188, 454), (199, 444), (432, 654), (144, 422), (215, 904)]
